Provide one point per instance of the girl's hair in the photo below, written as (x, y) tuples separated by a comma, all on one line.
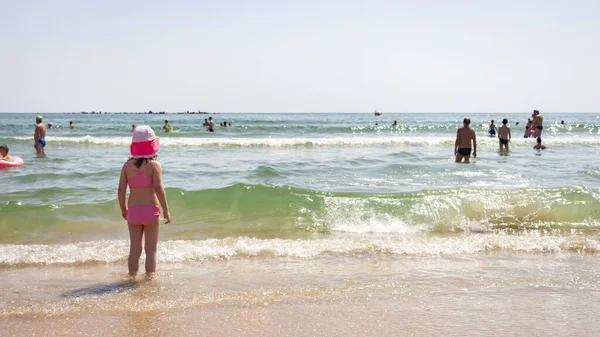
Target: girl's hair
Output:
[(138, 162)]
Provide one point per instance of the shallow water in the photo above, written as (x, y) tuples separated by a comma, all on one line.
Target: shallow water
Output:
[(318, 204), (315, 177), (491, 294)]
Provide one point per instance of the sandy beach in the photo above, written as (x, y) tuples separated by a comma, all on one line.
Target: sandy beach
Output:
[(300, 168), (490, 295)]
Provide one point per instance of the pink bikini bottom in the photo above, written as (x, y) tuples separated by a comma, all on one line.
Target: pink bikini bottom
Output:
[(142, 215)]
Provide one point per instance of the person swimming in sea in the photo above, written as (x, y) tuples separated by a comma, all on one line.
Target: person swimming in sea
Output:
[(539, 145), (210, 125), (143, 174), (39, 135), (4, 156), (395, 124), (132, 127), (71, 125), (492, 129), (504, 135), (465, 136), (528, 128), (167, 127)]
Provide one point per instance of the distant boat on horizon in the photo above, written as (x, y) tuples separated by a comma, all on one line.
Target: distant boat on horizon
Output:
[(378, 113)]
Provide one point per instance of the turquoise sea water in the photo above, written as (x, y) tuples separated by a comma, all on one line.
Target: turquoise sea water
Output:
[(303, 185)]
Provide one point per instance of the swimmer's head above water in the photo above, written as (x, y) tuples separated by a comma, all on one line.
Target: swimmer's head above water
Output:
[(3, 150)]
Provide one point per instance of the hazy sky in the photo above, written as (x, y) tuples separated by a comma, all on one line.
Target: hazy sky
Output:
[(284, 56)]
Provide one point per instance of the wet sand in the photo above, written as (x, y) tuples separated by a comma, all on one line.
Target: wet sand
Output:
[(486, 295)]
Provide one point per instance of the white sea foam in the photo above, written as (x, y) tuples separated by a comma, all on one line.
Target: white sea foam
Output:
[(397, 140), (373, 226), (351, 215), (180, 251)]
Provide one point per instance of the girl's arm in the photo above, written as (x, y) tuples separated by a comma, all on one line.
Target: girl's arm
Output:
[(122, 191), (160, 191)]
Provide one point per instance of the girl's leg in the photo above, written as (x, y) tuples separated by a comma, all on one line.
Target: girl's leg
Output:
[(151, 244), (135, 249)]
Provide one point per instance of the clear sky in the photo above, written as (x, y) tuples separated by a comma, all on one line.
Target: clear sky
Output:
[(300, 56)]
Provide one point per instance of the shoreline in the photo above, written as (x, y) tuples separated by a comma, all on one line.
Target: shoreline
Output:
[(486, 294)]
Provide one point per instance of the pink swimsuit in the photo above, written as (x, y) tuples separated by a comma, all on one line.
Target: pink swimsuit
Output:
[(141, 215)]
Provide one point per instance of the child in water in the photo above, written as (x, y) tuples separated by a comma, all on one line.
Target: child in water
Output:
[(4, 153), (143, 174), (539, 145), (527, 128), (492, 129), (167, 127)]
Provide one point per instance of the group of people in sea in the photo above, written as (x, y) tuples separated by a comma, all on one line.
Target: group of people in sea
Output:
[(142, 174), (466, 139), (39, 134), (209, 124), (534, 127)]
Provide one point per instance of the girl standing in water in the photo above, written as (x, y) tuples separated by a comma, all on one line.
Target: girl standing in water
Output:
[(143, 174)]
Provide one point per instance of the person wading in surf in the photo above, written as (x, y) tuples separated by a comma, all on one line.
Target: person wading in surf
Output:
[(538, 124), (39, 135), (504, 134), (143, 174), (462, 146)]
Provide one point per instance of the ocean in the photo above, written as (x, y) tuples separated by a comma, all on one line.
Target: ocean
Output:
[(291, 213)]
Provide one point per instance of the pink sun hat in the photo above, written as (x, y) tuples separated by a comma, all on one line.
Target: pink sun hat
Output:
[(144, 143)]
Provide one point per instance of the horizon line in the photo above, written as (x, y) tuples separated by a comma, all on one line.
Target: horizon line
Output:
[(272, 112)]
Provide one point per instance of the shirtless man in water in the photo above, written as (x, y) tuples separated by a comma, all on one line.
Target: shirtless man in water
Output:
[(504, 134), (538, 124), (39, 135), (462, 146), (211, 125)]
